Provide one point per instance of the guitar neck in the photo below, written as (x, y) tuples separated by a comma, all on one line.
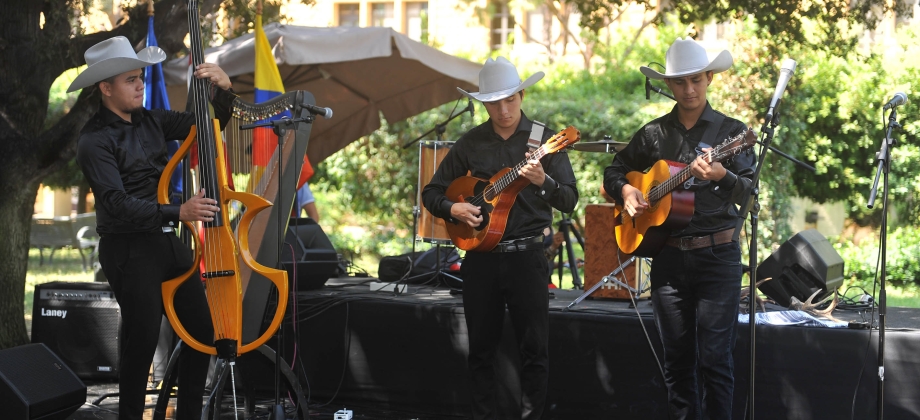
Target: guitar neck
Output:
[(680, 177), (200, 90), (514, 174)]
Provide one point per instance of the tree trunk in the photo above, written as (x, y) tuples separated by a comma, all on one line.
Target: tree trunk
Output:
[(15, 224), (32, 56)]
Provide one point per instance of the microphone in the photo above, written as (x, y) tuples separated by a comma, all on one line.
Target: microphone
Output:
[(318, 110), (469, 105), (899, 99), (785, 74), (648, 89)]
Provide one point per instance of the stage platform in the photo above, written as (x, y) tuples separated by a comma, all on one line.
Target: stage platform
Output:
[(403, 356)]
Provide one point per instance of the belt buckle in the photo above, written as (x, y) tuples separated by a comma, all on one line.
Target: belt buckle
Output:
[(685, 243), (512, 247), (168, 229)]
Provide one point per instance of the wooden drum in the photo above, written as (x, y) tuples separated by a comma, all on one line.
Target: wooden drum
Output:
[(430, 229), (602, 255)]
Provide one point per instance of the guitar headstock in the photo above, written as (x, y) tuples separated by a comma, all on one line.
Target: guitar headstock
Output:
[(562, 139), (734, 146)]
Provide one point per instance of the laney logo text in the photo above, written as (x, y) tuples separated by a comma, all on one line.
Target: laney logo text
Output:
[(54, 312)]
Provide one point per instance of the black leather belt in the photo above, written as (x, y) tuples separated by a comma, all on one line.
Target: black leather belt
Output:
[(517, 245), (687, 243), (163, 229)]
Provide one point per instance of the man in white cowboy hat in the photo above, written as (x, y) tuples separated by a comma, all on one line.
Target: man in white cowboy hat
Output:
[(515, 272), (696, 277), (122, 152)]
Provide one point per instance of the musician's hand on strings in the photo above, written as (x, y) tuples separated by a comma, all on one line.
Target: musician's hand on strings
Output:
[(466, 213), (214, 74), (700, 169), (198, 208), (633, 201), (533, 171)]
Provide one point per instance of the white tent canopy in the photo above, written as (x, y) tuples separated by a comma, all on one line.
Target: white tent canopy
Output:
[(358, 72)]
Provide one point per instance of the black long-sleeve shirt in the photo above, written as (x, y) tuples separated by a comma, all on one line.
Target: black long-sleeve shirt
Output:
[(715, 203), (123, 162), (483, 153)]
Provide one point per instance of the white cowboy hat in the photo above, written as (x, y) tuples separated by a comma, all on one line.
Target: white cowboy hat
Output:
[(112, 57), (686, 57), (498, 80)]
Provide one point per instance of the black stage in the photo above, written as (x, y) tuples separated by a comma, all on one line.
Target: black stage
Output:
[(404, 357)]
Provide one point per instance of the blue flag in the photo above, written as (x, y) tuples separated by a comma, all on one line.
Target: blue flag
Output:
[(155, 98)]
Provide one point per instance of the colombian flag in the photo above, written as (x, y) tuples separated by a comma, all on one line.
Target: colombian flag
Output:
[(267, 86)]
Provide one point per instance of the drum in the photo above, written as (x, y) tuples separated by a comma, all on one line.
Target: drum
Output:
[(430, 154)]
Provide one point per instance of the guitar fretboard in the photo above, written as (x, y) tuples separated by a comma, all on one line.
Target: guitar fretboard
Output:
[(716, 155)]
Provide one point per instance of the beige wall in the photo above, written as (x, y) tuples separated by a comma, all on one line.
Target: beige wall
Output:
[(830, 216), (53, 203)]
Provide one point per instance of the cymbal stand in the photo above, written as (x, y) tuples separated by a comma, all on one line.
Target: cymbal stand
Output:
[(566, 227), (610, 277)]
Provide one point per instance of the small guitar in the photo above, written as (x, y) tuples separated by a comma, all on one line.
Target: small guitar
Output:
[(496, 196), (668, 209)]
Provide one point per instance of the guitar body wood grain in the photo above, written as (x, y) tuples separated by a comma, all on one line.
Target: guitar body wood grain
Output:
[(645, 235)]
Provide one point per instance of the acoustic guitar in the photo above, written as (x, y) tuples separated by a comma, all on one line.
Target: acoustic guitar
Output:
[(496, 196), (669, 208)]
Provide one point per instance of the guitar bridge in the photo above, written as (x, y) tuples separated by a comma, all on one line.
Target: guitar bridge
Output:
[(213, 274)]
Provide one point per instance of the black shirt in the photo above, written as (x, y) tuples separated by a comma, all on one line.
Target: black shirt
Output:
[(483, 153), (715, 203), (123, 162)]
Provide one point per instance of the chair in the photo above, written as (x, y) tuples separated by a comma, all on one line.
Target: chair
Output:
[(85, 227)]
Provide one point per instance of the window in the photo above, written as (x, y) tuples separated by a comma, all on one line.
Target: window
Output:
[(502, 24), (348, 14), (382, 14), (417, 21), (537, 24)]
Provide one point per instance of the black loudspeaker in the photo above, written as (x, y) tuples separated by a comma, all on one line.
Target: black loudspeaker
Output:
[(314, 259), (803, 265), (35, 384), (80, 322)]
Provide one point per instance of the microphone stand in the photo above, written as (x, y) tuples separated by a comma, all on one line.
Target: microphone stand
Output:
[(439, 128), (278, 127), (650, 88), (884, 166)]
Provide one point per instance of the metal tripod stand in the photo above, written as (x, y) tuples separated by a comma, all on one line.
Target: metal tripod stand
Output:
[(565, 227)]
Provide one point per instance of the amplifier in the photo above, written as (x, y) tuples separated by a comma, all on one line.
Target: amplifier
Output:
[(603, 256), (81, 323)]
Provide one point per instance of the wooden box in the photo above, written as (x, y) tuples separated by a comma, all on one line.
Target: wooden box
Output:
[(602, 256)]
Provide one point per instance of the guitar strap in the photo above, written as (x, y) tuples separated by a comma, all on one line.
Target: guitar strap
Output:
[(682, 148), (536, 136), (709, 137)]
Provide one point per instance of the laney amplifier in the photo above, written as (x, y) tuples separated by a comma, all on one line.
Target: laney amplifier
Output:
[(80, 322)]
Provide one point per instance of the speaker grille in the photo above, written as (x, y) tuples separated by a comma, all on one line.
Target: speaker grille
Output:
[(37, 384), (80, 322)]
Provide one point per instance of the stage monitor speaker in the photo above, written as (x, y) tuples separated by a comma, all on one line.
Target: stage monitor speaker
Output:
[(314, 258), (36, 384), (805, 264), (80, 322)]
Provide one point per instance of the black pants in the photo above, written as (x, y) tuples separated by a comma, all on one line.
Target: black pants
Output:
[(695, 298), (490, 282), (136, 266)]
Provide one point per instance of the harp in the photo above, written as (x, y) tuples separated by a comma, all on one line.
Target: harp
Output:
[(260, 167)]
